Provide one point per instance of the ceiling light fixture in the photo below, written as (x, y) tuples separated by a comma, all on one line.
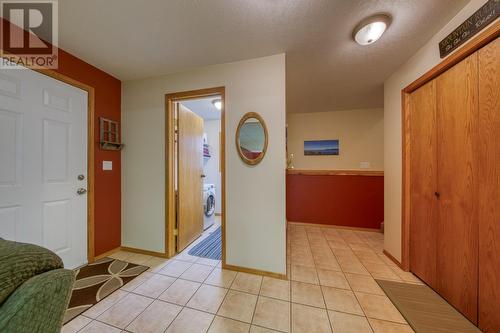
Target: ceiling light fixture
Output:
[(371, 29), (217, 103)]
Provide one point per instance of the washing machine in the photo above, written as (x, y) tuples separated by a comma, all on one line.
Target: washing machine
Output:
[(208, 205)]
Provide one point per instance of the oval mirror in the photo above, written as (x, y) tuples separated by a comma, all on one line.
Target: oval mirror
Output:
[(251, 138)]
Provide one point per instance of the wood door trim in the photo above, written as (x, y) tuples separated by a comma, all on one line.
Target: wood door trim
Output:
[(481, 40), (335, 172), (108, 253), (255, 271), (90, 150), (488, 177), (394, 260), (141, 251), (169, 164), (90, 154), (305, 224)]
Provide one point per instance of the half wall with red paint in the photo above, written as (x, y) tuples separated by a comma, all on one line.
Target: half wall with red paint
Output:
[(107, 184), (342, 200)]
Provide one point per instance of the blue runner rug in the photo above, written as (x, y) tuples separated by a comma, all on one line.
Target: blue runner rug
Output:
[(210, 247)]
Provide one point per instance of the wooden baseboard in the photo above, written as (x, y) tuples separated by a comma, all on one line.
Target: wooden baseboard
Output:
[(254, 271), (146, 252), (394, 260), (107, 253), (333, 226)]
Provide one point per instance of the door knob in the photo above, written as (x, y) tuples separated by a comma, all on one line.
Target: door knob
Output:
[(81, 177), (81, 191), (203, 176)]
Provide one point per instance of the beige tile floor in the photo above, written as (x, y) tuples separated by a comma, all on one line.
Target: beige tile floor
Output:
[(331, 288)]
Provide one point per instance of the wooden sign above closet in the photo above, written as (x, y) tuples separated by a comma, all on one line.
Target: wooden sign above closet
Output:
[(474, 24)]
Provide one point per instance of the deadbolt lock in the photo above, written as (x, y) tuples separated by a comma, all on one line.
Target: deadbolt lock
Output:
[(81, 191), (81, 177)]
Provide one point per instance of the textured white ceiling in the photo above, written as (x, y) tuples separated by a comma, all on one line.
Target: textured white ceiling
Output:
[(326, 70)]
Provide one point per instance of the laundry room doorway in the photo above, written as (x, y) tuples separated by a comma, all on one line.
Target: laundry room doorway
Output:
[(195, 173)]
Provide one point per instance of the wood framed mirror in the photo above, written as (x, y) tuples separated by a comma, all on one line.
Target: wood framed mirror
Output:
[(251, 138)]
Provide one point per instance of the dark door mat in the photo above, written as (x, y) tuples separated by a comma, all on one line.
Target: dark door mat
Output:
[(97, 280), (210, 247), (425, 310)]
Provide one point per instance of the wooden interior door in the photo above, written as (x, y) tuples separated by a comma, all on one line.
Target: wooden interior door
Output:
[(488, 163), (190, 173), (423, 183), (457, 236)]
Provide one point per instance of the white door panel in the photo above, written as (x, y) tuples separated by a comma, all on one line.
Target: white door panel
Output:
[(43, 150), (10, 218), (10, 86), (10, 147)]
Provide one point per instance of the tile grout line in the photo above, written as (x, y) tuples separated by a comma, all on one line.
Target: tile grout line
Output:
[(324, 300), (357, 298), (257, 302), (154, 299), (225, 294), (119, 301), (223, 300), (185, 305), (366, 317), (326, 306), (350, 285)]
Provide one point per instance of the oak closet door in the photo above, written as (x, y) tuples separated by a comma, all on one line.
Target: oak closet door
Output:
[(423, 183), (457, 236), (488, 149)]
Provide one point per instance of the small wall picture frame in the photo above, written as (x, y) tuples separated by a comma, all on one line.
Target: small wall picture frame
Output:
[(109, 134), (321, 147)]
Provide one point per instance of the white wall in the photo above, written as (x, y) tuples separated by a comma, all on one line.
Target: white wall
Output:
[(361, 135), (426, 58), (211, 165), (255, 196)]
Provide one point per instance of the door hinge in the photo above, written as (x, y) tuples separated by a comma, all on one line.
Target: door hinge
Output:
[(176, 232)]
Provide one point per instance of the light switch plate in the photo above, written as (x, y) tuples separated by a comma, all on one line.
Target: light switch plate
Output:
[(364, 165), (107, 165)]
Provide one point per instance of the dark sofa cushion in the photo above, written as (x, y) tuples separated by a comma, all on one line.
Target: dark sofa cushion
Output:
[(20, 261)]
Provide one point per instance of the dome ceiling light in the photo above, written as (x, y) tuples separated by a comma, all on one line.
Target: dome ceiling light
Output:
[(371, 29), (217, 103)]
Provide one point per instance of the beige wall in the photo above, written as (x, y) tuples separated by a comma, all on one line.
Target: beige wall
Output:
[(255, 195), (426, 58), (361, 135)]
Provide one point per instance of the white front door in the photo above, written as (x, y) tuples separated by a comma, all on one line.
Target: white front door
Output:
[(43, 163)]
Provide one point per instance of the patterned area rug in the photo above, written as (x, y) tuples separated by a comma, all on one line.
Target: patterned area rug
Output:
[(98, 280), (210, 247)]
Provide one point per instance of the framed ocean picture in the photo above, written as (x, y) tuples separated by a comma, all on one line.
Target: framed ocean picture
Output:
[(321, 147)]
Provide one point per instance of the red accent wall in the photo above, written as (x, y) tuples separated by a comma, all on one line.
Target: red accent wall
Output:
[(107, 184), (343, 200)]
